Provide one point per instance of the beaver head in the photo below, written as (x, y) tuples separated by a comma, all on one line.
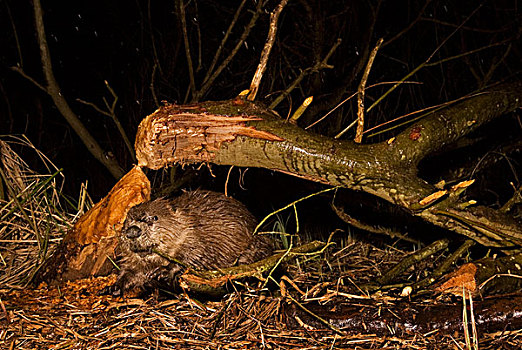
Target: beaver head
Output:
[(141, 227)]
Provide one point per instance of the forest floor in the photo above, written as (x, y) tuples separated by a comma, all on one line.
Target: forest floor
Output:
[(307, 309)]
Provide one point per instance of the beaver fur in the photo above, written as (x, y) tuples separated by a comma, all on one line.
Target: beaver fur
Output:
[(202, 230)]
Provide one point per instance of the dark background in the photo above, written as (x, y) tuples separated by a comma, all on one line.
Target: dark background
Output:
[(121, 42)]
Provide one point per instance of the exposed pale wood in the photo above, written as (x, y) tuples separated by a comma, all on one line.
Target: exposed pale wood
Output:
[(87, 248)]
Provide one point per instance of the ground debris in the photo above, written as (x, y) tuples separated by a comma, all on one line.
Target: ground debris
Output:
[(502, 313), (75, 316)]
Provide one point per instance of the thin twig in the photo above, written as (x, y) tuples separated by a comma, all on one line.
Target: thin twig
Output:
[(181, 9), (452, 33), (316, 67), (423, 64), (116, 121), (390, 90), (360, 95), (223, 42), (23, 74), (472, 29), (339, 211), (15, 34), (111, 112), (153, 42), (467, 53), (198, 31), (494, 66), (226, 61), (350, 97), (412, 23), (95, 107), (228, 178), (413, 259), (291, 205), (256, 80), (424, 111), (151, 86), (445, 266), (515, 199), (317, 317)]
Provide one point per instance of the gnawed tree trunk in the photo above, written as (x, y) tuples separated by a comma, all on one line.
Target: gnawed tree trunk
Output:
[(89, 248), (242, 133)]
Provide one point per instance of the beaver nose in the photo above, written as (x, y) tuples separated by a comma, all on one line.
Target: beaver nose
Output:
[(133, 232)]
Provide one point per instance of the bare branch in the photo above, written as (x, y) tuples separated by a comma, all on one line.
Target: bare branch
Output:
[(181, 9), (317, 66), (111, 112), (15, 34), (95, 107), (423, 64), (54, 91), (223, 42), (412, 23), (23, 74), (256, 80), (151, 86), (226, 61), (350, 97), (152, 41), (360, 96)]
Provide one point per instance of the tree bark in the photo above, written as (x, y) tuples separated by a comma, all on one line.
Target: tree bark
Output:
[(242, 133)]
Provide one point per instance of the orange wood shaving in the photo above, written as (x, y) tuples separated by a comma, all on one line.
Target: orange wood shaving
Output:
[(463, 278), (463, 184), (432, 197)]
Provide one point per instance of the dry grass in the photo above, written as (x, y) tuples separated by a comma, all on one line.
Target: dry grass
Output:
[(34, 214)]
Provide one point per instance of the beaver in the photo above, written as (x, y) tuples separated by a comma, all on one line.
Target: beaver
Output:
[(203, 230)]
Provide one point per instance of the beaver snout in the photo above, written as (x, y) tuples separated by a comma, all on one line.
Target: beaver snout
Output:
[(133, 232)]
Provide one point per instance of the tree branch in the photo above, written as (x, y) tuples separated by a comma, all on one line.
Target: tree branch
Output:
[(443, 127), (256, 80), (53, 90), (183, 20), (246, 134)]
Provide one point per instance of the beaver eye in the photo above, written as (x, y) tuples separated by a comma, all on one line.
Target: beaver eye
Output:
[(150, 219)]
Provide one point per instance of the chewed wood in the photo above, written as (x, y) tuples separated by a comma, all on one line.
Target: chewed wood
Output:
[(188, 134), (107, 216)]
